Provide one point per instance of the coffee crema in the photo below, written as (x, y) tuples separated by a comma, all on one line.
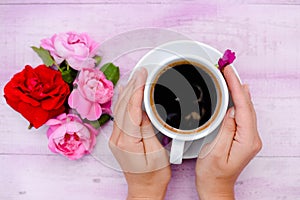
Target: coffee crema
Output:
[(181, 96)]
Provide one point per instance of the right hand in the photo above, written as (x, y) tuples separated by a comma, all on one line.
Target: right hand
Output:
[(220, 163)]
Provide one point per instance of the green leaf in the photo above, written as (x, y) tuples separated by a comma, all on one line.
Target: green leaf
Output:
[(64, 65), (102, 120), (69, 75), (97, 59), (111, 72), (44, 55)]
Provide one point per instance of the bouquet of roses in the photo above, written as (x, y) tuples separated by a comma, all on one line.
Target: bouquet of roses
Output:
[(69, 93)]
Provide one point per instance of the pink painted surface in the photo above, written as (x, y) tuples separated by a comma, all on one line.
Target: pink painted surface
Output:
[(265, 35)]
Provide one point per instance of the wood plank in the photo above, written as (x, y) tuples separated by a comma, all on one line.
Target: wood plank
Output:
[(278, 124), (277, 106), (51, 177), (126, 2), (265, 36), (269, 179), (260, 39), (268, 2), (277, 2)]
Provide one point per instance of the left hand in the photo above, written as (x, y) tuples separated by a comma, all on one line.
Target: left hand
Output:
[(141, 156)]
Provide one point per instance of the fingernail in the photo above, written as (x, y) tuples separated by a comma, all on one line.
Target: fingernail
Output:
[(142, 70), (137, 71), (232, 112)]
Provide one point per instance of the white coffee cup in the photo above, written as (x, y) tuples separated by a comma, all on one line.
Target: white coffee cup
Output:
[(216, 85)]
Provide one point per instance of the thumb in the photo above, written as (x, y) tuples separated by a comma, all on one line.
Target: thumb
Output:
[(222, 143)]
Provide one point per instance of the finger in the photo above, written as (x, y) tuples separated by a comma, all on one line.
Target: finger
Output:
[(136, 100), (130, 144), (132, 95), (138, 90), (129, 111), (130, 138), (248, 96), (247, 90), (127, 136), (223, 141), (124, 91), (120, 89), (206, 149), (239, 98), (150, 140), (245, 115), (119, 114), (114, 135), (156, 156)]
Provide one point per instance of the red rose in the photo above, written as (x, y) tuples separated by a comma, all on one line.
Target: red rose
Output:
[(38, 94)]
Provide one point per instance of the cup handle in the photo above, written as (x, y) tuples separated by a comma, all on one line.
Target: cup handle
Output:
[(176, 153)]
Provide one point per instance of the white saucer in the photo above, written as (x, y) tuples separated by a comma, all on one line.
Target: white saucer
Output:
[(183, 48)]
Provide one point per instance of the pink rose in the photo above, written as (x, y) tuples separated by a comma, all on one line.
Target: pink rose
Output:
[(70, 137), (92, 94), (77, 49)]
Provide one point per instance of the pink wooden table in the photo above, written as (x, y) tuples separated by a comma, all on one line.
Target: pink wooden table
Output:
[(266, 36)]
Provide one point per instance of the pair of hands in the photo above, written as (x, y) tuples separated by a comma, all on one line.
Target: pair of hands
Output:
[(145, 162)]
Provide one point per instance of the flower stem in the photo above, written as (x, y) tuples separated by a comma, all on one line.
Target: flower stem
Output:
[(57, 66), (30, 126)]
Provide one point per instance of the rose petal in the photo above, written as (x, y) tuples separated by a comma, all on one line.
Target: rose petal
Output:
[(78, 64), (95, 112), (227, 58), (74, 127), (74, 99), (52, 122), (106, 107)]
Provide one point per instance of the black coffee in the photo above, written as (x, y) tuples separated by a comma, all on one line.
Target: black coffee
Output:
[(182, 98)]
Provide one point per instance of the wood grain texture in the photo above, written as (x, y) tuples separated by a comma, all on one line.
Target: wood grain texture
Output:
[(250, 29), (265, 35), (269, 2), (50, 177)]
